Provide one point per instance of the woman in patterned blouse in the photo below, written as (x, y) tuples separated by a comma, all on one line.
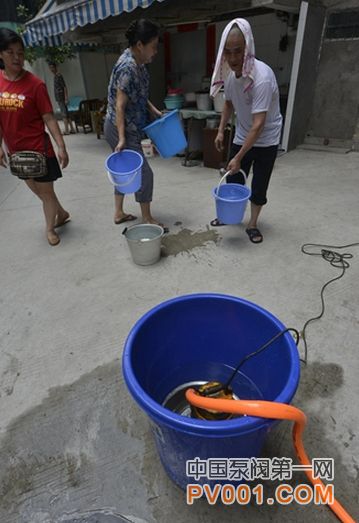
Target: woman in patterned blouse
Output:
[(129, 109)]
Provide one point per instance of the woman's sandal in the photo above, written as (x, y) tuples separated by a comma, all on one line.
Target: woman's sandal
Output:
[(62, 222)]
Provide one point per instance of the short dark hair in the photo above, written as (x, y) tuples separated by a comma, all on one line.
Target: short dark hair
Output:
[(8, 37), (142, 30)]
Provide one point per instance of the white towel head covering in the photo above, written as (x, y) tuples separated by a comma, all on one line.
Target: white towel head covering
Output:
[(222, 69)]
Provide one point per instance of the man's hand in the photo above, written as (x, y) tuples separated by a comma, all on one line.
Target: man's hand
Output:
[(2, 157), (121, 145), (234, 165), (63, 157), (218, 141)]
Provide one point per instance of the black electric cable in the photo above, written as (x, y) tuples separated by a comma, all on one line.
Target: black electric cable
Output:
[(335, 259), (262, 348), (217, 388)]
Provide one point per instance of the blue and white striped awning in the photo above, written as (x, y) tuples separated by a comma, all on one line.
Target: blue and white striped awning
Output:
[(54, 19)]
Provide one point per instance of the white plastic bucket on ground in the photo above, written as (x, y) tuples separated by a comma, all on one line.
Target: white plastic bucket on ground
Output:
[(147, 148), (144, 241)]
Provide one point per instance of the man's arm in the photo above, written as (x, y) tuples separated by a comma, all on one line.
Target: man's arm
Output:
[(225, 116)]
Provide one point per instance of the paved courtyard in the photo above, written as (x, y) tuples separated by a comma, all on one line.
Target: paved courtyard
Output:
[(73, 445)]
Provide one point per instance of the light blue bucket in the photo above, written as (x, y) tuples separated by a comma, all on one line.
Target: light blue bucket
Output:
[(124, 170), (231, 200), (167, 134)]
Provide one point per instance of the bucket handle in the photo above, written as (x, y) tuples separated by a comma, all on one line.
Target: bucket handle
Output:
[(161, 119), (228, 173), (122, 184)]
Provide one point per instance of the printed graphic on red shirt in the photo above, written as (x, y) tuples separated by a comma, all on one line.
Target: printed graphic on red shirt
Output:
[(11, 102), (22, 106)]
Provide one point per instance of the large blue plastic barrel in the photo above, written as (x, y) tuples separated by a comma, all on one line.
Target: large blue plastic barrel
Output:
[(167, 134), (188, 338)]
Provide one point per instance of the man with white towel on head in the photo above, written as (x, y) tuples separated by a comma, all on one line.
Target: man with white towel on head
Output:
[(251, 91)]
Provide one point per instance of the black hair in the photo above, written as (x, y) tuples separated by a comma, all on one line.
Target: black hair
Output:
[(7, 38), (54, 64), (142, 30)]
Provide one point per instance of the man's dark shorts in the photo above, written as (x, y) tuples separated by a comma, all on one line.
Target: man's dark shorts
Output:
[(262, 159)]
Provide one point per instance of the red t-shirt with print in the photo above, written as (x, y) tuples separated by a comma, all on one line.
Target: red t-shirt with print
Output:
[(22, 104)]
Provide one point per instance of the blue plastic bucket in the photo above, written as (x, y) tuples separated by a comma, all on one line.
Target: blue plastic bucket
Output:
[(231, 200), (203, 337), (124, 170), (167, 134)]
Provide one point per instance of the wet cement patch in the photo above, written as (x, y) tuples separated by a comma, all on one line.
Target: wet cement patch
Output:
[(320, 380), (82, 448), (186, 240), (86, 454)]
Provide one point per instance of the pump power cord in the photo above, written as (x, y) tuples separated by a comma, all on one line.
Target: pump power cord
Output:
[(336, 259), (263, 347)]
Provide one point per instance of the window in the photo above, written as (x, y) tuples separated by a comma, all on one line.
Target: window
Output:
[(343, 24)]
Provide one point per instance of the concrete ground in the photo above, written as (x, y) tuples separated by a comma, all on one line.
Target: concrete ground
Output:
[(73, 445)]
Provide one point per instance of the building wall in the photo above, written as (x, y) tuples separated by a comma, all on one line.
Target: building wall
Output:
[(96, 68), (87, 75), (158, 86), (188, 59), (307, 76), (336, 101), (71, 71)]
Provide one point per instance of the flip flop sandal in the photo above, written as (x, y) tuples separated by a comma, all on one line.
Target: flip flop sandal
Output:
[(255, 233), (68, 219), (216, 223), (127, 218)]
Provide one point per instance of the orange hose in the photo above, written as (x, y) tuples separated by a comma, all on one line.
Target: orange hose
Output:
[(273, 410)]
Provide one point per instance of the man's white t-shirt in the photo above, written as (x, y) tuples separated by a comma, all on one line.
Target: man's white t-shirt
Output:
[(262, 96)]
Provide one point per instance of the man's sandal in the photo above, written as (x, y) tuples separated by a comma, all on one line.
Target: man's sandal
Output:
[(255, 235), (216, 223)]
